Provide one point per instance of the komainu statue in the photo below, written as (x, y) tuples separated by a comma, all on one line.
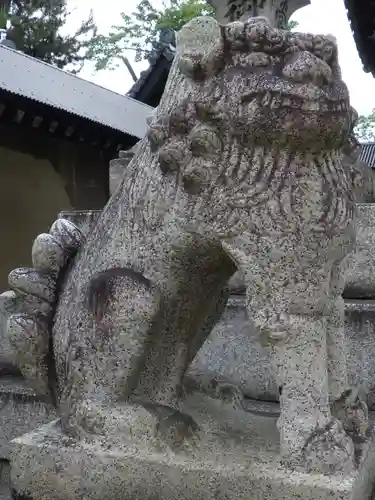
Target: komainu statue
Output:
[(241, 169)]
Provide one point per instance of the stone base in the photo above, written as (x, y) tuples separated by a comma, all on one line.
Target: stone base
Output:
[(20, 411), (235, 458)]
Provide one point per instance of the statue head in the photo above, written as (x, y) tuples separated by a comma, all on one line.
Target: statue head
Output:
[(258, 96)]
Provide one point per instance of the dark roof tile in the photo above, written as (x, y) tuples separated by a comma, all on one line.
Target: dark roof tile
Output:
[(38, 81)]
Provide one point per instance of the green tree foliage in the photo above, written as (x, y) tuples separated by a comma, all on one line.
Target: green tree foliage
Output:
[(292, 25), (35, 27), (139, 31), (365, 129)]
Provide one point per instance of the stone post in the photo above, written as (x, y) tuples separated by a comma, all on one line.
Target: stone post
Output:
[(277, 11)]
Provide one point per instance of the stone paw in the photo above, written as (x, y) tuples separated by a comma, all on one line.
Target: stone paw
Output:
[(178, 430), (352, 412), (329, 450)]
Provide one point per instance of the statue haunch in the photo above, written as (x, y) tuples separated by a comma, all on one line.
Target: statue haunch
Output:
[(242, 168)]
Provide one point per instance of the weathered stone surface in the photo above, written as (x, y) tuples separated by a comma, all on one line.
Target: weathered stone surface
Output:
[(20, 412), (46, 253), (11, 303), (29, 325), (360, 330), (85, 220), (242, 464), (360, 282), (5, 492), (242, 168), (29, 281), (233, 352), (8, 305), (29, 337), (118, 166)]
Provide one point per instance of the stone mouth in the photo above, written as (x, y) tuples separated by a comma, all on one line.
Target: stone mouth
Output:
[(276, 100)]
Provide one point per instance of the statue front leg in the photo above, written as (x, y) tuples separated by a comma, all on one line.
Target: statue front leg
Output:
[(286, 299)]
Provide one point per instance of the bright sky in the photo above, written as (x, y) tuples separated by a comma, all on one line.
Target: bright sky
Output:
[(321, 17)]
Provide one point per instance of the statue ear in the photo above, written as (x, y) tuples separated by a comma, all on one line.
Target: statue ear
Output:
[(199, 47)]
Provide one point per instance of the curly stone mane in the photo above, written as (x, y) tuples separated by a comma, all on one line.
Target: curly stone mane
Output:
[(254, 129)]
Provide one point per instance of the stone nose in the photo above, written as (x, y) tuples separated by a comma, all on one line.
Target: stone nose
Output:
[(305, 67)]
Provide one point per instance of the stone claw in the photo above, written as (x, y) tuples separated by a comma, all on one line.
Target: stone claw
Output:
[(178, 430), (329, 450), (352, 411)]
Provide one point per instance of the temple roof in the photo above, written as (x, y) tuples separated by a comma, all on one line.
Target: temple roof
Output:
[(150, 85), (361, 14), (367, 154), (34, 80)]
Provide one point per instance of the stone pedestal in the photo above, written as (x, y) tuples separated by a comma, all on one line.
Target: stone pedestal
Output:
[(277, 11), (236, 464)]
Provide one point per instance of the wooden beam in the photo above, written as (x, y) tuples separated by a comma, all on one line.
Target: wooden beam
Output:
[(18, 116), (37, 121), (53, 126), (69, 131)]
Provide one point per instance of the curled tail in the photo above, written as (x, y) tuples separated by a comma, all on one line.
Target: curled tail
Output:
[(35, 294)]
